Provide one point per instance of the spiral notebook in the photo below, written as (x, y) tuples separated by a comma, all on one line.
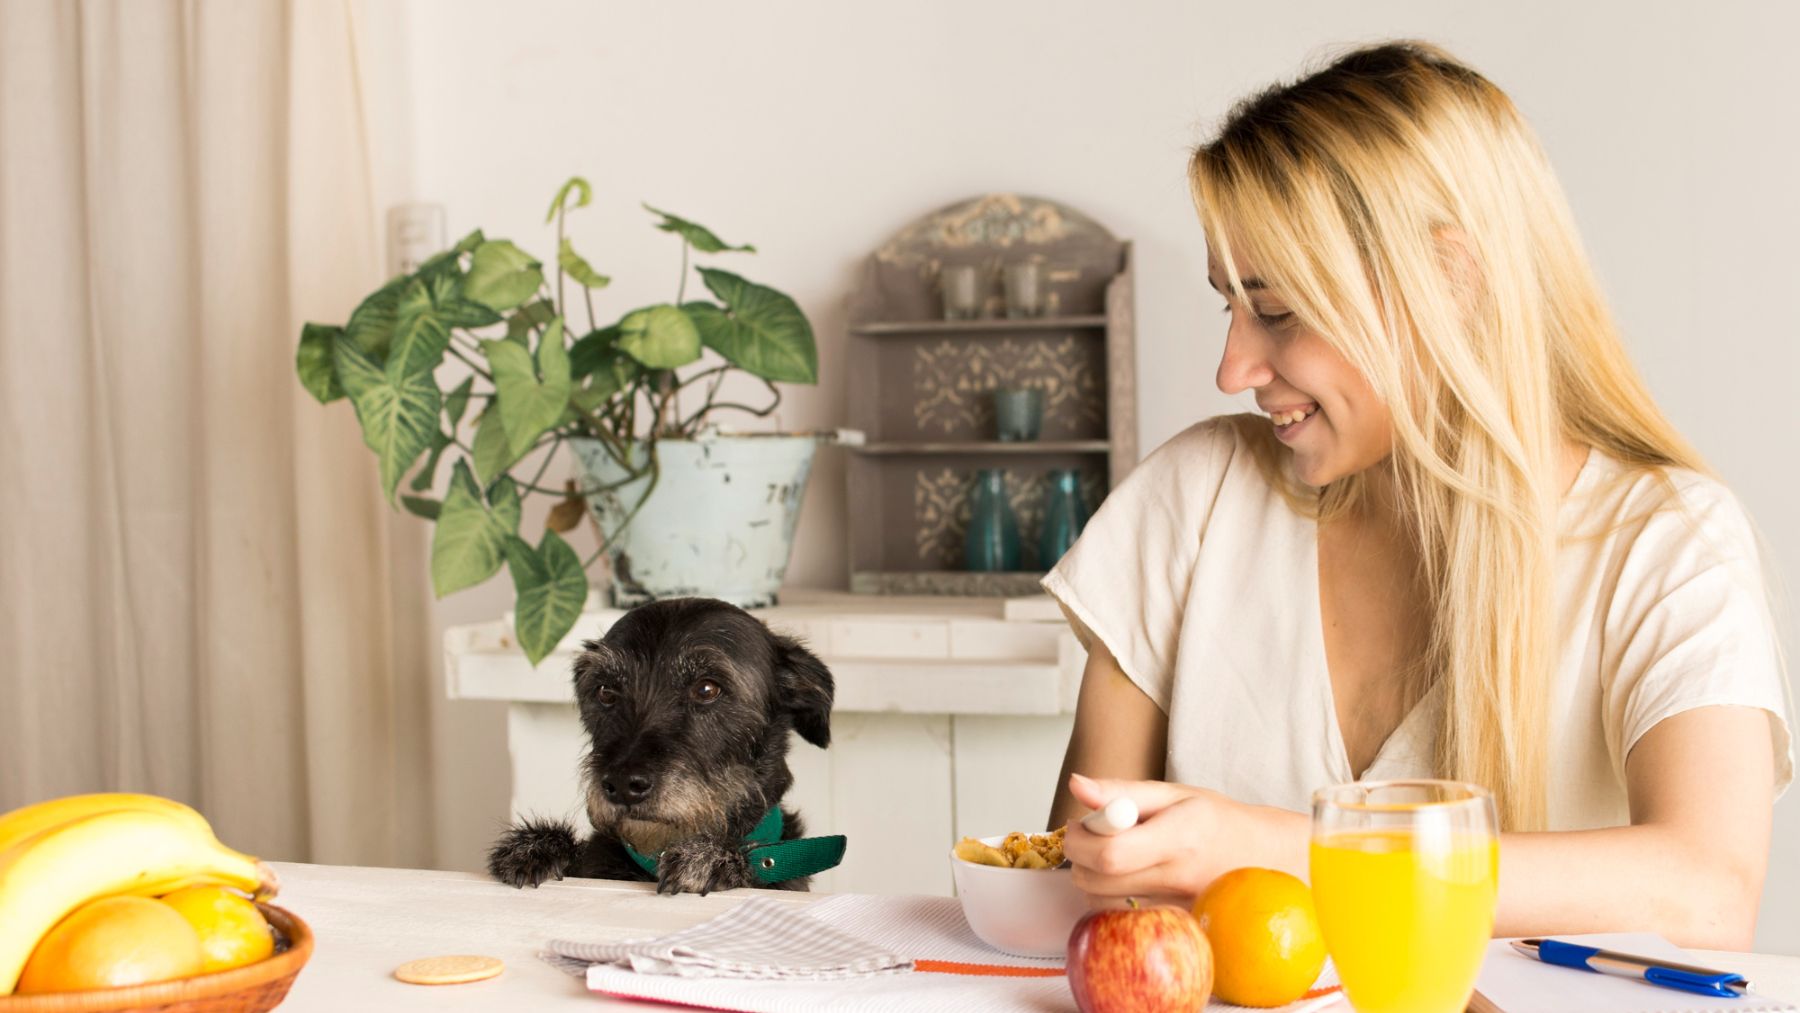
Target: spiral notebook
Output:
[(1511, 982)]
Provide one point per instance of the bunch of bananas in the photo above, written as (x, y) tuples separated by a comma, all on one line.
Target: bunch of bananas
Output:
[(58, 855)]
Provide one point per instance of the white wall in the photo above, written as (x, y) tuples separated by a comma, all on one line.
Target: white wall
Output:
[(814, 129)]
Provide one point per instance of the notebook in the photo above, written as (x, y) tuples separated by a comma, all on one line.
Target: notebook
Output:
[(1511, 982)]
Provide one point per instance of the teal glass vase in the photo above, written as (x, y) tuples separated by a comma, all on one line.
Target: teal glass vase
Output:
[(992, 543), (1064, 516)]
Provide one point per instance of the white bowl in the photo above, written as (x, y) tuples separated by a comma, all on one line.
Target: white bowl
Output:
[(1024, 912)]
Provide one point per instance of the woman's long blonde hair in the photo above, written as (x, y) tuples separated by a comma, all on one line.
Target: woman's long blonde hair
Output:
[(1403, 209)]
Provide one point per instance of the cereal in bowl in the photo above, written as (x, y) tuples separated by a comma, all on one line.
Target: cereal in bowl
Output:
[(1017, 851)]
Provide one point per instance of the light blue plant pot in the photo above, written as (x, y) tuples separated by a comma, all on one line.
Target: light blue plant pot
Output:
[(719, 524)]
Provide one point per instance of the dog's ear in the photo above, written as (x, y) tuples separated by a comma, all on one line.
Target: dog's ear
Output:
[(590, 664), (805, 688)]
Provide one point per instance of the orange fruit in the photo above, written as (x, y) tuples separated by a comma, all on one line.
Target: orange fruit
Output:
[(1267, 949), (232, 931), (111, 942)]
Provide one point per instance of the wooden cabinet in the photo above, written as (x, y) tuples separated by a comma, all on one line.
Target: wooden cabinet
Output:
[(921, 388)]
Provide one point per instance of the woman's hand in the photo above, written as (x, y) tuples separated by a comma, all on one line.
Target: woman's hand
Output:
[(1185, 838)]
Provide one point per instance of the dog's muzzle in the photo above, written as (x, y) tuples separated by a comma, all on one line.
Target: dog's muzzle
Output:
[(626, 789)]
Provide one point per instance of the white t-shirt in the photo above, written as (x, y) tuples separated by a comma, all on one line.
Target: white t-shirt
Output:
[(1203, 582)]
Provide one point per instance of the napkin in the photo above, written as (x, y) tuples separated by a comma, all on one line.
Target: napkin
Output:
[(758, 939)]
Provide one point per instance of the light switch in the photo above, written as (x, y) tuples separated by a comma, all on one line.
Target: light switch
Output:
[(415, 232)]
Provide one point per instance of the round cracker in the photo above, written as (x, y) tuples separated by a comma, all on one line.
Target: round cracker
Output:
[(453, 970)]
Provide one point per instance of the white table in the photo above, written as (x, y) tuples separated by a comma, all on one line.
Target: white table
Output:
[(369, 921)]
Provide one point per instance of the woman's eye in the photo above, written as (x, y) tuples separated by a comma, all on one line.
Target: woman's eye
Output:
[(705, 691), (607, 696), (1276, 319)]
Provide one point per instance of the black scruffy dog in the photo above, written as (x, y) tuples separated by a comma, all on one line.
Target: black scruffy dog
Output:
[(687, 703)]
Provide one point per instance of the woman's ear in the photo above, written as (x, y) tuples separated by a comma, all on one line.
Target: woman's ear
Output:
[(805, 689)]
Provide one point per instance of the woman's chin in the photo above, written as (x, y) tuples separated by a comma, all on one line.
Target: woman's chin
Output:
[(1314, 469)]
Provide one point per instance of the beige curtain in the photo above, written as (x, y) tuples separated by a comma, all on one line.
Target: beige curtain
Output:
[(202, 593)]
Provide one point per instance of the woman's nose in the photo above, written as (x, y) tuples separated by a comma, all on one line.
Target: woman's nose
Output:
[(1245, 362)]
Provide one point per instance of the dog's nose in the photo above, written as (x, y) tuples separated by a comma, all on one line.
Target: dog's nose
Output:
[(626, 790)]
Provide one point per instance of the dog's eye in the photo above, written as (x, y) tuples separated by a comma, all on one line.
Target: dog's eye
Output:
[(705, 691), (607, 696)]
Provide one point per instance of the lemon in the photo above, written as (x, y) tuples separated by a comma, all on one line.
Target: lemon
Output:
[(111, 942), (232, 931), (1267, 949)]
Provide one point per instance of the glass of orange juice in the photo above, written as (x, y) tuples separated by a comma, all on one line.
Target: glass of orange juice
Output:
[(1404, 876)]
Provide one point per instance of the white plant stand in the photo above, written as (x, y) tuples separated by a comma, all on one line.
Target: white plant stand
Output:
[(951, 718)]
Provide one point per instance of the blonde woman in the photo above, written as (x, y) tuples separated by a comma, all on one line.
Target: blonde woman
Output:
[(1461, 541)]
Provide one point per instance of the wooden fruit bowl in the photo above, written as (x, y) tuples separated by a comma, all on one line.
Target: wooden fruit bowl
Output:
[(248, 989)]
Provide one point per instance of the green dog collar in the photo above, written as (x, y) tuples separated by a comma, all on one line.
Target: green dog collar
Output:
[(772, 860)]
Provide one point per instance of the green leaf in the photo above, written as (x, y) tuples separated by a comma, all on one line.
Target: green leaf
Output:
[(428, 474), (399, 416), (458, 402), (468, 243), (599, 389), (503, 500), (469, 543), (423, 507), (698, 236), (441, 262), (529, 316), (661, 337), (501, 275), (444, 282), (553, 357), (529, 406), (594, 350), (575, 183), (551, 588), (761, 330), (575, 267), (493, 454), (372, 325), (313, 361), (419, 337)]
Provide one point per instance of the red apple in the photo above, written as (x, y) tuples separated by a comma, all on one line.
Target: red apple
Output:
[(1143, 960)]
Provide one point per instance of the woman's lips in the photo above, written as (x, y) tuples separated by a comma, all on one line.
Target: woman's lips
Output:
[(1286, 415), (1289, 421)]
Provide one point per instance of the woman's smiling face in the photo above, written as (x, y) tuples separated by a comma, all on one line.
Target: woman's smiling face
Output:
[(1320, 405)]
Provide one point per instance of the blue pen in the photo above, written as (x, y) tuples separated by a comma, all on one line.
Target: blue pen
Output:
[(1685, 977)]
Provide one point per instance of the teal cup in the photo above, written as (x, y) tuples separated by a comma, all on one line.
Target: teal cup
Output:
[(1018, 414)]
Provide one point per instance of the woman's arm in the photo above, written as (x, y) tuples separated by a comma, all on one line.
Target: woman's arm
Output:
[(1119, 731), (1690, 866)]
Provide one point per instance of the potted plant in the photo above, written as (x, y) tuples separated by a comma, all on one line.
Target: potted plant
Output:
[(655, 476)]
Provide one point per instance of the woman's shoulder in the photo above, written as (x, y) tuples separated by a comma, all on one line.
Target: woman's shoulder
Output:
[(1657, 508), (1664, 522), (1199, 456)]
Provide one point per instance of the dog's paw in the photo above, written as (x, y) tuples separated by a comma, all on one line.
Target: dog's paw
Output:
[(701, 866), (532, 852)]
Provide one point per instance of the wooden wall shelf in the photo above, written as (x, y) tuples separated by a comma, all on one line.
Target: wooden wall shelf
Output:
[(1000, 325), (1020, 447), (921, 388)]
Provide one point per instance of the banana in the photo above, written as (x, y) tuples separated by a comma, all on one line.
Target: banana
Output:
[(26, 821), (47, 875)]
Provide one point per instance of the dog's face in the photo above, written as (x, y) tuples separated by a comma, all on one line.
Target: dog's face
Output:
[(688, 703)]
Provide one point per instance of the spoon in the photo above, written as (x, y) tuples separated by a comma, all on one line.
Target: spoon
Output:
[(1114, 817), (1119, 815)]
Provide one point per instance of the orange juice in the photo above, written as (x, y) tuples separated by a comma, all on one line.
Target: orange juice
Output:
[(1406, 914)]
